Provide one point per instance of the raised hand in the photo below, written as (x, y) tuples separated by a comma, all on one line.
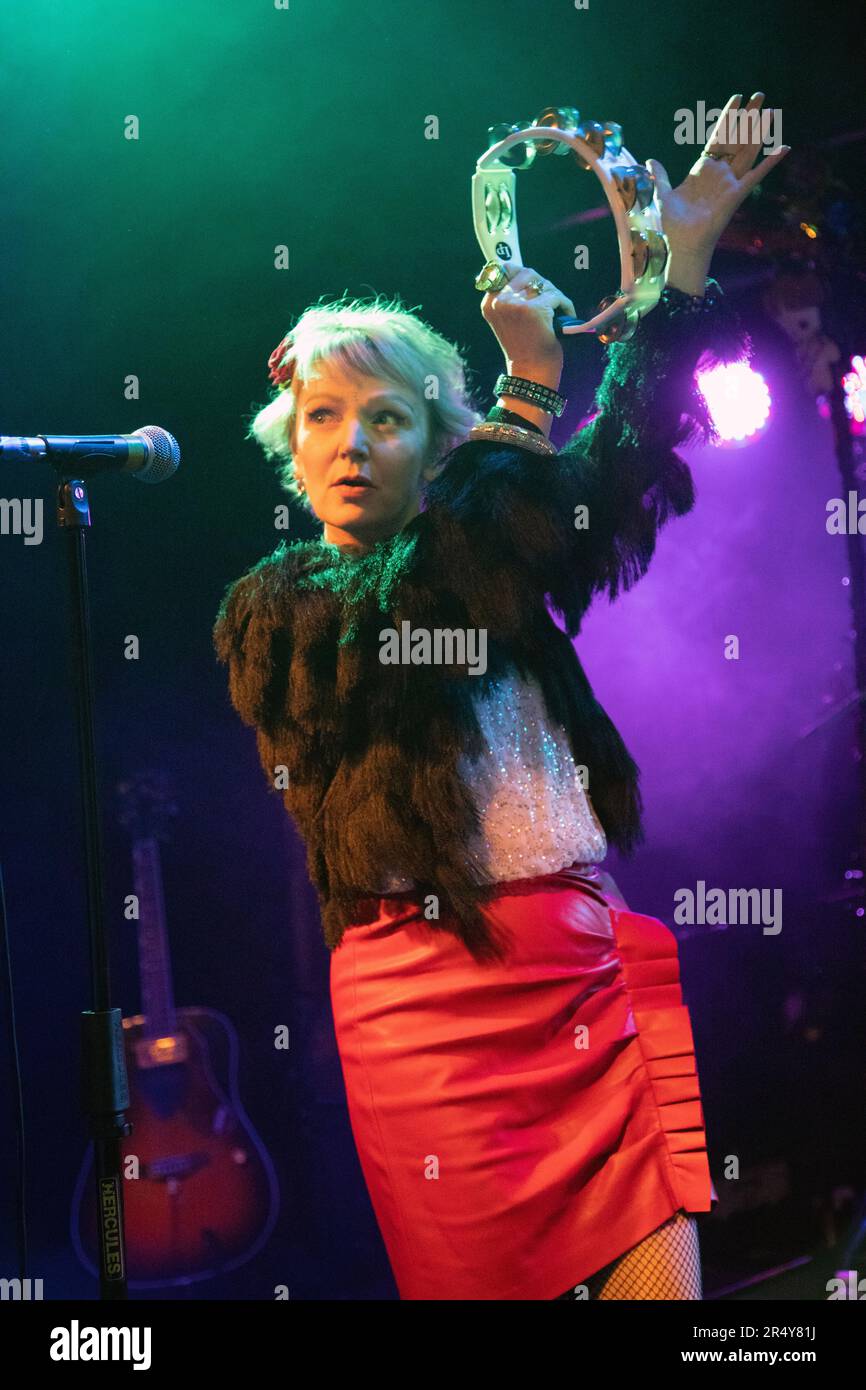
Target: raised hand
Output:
[(695, 214)]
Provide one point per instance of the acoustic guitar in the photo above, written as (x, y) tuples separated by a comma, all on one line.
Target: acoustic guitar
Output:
[(201, 1194)]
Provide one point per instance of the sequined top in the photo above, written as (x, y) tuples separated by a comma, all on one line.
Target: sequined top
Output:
[(536, 816)]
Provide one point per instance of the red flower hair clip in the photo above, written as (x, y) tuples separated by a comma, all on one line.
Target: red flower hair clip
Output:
[(281, 372)]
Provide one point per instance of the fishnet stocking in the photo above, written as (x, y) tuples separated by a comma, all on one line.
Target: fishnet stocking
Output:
[(666, 1264)]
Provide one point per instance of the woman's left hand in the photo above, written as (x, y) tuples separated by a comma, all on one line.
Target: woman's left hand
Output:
[(695, 214)]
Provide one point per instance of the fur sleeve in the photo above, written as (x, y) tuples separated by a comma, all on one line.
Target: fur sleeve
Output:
[(252, 636), (622, 467)]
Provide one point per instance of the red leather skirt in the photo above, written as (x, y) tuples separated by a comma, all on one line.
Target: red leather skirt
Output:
[(519, 1124)]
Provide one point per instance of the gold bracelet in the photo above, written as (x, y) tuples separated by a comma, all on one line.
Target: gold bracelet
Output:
[(496, 432)]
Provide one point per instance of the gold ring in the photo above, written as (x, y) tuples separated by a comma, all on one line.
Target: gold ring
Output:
[(720, 154), (493, 277), (537, 285)]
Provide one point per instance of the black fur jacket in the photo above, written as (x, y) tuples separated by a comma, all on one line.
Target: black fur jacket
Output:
[(364, 753)]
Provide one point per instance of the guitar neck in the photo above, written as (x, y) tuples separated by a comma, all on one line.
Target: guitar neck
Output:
[(157, 994)]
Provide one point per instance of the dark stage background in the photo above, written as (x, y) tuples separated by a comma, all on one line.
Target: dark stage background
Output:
[(155, 258)]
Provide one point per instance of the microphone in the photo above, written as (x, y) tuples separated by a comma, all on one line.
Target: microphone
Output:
[(150, 454)]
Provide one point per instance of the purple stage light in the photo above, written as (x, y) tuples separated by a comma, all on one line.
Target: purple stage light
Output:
[(739, 401), (854, 383), (854, 388)]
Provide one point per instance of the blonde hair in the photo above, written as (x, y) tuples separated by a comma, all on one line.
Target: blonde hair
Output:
[(375, 337)]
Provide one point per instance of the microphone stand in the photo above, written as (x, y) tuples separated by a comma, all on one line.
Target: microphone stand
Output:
[(105, 1087)]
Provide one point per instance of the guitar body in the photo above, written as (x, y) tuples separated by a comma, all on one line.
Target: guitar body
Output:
[(200, 1192)]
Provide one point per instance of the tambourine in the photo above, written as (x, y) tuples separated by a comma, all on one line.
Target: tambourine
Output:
[(628, 187)]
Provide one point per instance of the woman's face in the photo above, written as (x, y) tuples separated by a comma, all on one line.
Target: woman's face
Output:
[(352, 426)]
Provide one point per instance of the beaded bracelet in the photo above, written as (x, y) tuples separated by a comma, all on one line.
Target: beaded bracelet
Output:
[(519, 386), (491, 431)]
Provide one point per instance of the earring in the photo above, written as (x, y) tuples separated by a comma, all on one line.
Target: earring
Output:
[(302, 487)]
